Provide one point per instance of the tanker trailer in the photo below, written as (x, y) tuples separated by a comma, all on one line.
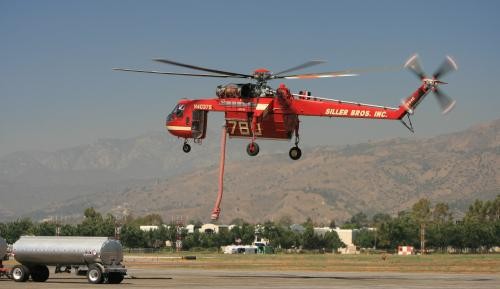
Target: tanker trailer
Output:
[(100, 258)]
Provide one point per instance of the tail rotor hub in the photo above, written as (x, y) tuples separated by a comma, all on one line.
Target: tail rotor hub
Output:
[(449, 65), (431, 83)]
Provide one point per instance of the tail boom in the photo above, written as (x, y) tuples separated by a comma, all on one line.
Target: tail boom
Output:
[(315, 106), (409, 104)]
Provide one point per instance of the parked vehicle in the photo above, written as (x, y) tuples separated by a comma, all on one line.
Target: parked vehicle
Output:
[(99, 258)]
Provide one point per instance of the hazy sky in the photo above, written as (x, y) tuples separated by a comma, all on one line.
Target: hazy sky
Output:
[(57, 88)]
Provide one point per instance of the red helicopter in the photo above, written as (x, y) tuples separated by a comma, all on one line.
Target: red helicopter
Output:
[(255, 110)]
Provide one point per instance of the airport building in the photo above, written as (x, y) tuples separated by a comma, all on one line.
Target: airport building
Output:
[(345, 235)]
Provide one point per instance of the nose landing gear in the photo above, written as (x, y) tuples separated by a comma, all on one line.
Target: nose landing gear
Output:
[(186, 147)]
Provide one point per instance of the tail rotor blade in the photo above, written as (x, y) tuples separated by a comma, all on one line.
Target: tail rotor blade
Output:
[(447, 66), (413, 64), (446, 102)]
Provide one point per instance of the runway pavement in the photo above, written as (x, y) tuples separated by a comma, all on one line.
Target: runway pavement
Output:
[(221, 279)]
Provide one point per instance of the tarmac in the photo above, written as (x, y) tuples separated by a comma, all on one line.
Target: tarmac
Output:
[(221, 279)]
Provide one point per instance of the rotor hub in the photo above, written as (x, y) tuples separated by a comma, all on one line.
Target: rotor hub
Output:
[(432, 83), (262, 75)]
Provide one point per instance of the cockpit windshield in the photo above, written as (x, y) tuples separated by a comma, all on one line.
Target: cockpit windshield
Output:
[(177, 112)]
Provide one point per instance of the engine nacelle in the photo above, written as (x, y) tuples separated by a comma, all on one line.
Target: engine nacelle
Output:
[(237, 90)]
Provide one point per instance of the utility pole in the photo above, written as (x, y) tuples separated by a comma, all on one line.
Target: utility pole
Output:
[(118, 229), (422, 238), (179, 226), (58, 227)]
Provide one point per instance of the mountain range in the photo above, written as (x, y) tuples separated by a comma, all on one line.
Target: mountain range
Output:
[(150, 174)]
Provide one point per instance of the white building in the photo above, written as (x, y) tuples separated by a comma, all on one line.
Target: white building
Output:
[(345, 235), (148, 228), (190, 228), (212, 228)]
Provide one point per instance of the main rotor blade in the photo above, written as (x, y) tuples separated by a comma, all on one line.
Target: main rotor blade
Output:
[(448, 65), (446, 102), (172, 73), (340, 73), (317, 75), (301, 66), (203, 68), (413, 64)]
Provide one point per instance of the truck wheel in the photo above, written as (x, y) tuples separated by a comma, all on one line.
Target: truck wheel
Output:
[(20, 273), (39, 273), (115, 278), (94, 275)]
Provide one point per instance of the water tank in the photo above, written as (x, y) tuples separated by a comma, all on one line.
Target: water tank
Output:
[(67, 250), (3, 248)]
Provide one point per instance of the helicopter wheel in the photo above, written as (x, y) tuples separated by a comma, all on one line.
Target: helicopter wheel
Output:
[(252, 149), (186, 148), (295, 153)]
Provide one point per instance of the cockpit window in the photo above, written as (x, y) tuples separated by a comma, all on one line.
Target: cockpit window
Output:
[(177, 112), (180, 110)]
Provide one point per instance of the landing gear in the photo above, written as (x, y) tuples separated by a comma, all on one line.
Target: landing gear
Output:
[(252, 149), (186, 147), (295, 153)]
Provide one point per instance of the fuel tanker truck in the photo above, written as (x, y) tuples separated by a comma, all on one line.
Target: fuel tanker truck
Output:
[(99, 258)]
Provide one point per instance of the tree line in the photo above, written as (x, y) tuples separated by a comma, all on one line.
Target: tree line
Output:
[(94, 224), (478, 230)]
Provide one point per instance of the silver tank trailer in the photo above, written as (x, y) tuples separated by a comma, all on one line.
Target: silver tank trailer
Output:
[(67, 250), (102, 256)]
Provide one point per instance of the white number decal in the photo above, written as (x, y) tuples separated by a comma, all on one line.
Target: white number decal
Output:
[(243, 128), (233, 124)]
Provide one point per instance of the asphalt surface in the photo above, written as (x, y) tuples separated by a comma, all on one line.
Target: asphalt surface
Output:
[(221, 279)]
